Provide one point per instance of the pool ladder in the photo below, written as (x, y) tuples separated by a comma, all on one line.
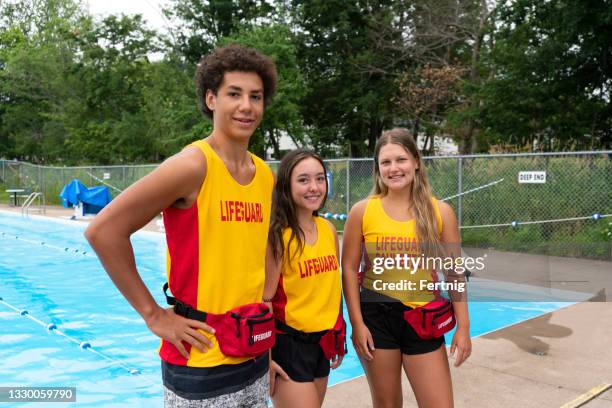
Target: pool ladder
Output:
[(25, 207)]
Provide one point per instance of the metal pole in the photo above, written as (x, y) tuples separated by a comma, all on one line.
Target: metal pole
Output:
[(459, 190), (348, 189), (40, 177)]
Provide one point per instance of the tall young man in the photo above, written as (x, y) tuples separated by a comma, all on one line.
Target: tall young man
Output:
[(216, 200)]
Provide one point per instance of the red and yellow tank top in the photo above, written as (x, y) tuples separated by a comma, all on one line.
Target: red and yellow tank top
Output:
[(216, 249), (386, 238), (309, 292)]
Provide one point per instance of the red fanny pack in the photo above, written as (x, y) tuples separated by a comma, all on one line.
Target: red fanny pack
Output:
[(333, 342), (432, 320), (245, 331)]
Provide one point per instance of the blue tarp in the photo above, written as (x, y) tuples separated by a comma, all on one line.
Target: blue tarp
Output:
[(94, 198)]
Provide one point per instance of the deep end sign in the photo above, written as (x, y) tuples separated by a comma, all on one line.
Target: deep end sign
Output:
[(537, 177)]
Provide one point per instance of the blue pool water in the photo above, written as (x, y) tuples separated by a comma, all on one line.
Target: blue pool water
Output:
[(50, 271)]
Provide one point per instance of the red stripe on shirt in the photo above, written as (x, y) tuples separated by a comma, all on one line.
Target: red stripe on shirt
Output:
[(183, 246)]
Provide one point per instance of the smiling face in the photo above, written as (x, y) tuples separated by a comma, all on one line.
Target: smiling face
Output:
[(238, 105), (308, 184), (397, 166)]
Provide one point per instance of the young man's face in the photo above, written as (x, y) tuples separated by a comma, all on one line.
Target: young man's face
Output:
[(238, 105)]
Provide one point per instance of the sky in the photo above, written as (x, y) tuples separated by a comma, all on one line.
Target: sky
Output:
[(150, 10)]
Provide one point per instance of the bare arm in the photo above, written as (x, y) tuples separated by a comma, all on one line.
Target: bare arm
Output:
[(335, 232), (351, 257), (338, 360), (451, 241), (175, 182), (273, 272), (452, 244), (337, 242)]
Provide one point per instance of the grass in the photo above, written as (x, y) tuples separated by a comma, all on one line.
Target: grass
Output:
[(4, 196)]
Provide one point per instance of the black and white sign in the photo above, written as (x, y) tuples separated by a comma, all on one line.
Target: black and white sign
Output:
[(538, 177)]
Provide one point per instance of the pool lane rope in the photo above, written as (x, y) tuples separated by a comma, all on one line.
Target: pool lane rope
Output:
[(67, 250), (43, 243), (84, 345), (515, 224)]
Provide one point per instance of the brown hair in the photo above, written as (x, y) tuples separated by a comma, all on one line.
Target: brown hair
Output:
[(283, 208), (234, 57), (426, 220)]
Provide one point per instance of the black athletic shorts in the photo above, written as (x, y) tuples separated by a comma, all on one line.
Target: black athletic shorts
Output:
[(390, 331), (303, 362), (195, 383)]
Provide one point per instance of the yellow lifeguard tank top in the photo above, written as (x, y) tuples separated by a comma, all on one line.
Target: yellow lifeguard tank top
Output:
[(216, 249), (309, 292), (386, 238)]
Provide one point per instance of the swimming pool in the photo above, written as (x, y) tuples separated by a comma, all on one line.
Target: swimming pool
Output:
[(48, 269)]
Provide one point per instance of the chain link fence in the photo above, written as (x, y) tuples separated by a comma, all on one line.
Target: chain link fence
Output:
[(535, 217), (578, 184), (51, 180)]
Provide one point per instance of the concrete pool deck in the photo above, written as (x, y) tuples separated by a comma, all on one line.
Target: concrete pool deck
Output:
[(65, 213), (546, 361)]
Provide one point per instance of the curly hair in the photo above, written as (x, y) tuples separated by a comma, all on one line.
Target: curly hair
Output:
[(212, 67)]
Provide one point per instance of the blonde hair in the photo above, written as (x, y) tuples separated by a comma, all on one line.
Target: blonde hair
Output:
[(425, 214)]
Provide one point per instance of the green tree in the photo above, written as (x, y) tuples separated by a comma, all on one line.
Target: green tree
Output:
[(36, 54), (550, 76), (443, 39), (170, 108), (350, 78), (202, 24), (104, 120)]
